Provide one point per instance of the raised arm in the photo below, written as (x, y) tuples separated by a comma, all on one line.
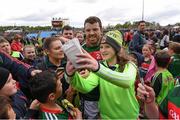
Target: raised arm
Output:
[(123, 79)]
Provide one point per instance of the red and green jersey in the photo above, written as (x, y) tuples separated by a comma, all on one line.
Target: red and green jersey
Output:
[(170, 107), (162, 83), (49, 114), (93, 51)]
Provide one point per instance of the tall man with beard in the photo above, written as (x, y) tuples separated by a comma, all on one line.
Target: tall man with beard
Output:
[(93, 32)]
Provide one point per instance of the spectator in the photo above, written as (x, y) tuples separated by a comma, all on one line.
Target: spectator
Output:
[(163, 81), (16, 45), (5, 46), (148, 66), (30, 55), (8, 88), (46, 87), (54, 58), (80, 36), (138, 38), (20, 71), (174, 66), (67, 32), (165, 40)]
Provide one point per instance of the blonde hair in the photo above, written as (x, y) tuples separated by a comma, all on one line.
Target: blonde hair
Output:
[(28, 46)]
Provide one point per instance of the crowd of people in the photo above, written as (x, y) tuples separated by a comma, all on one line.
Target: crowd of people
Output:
[(121, 75)]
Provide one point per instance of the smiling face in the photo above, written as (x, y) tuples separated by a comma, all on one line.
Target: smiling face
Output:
[(9, 88), (29, 53), (93, 33), (55, 50), (107, 52)]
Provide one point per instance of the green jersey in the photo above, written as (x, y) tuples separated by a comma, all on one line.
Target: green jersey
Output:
[(170, 107), (117, 90)]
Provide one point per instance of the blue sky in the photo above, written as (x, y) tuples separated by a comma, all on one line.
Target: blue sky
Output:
[(40, 12)]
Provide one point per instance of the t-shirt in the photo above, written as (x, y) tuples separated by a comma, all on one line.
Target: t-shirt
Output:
[(144, 68)]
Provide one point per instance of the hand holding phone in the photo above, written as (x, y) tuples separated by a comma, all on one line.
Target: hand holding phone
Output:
[(59, 72)]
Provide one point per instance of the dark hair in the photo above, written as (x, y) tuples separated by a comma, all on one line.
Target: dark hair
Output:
[(92, 20), (175, 46), (162, 58), (47, 42), (165, 32), (66, 27), (142, 21), (3, 40), (4, 103), (17, 36), (42, 84)]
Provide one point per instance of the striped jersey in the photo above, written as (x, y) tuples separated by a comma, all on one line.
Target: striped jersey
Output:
[(49, 114)]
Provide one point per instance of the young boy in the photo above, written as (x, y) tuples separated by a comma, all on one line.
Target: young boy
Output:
[(47, 88), (174, 66), (8, 88), (163, 81)]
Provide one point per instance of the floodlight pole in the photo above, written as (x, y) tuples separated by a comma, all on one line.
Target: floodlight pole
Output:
[(143, 10)]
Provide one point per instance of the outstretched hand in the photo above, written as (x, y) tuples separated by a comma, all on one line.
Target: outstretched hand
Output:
[(86, 61), (35, 105), (146, 93)]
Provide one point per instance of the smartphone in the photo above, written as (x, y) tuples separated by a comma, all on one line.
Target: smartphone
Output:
[(142, 82), (59, 70)]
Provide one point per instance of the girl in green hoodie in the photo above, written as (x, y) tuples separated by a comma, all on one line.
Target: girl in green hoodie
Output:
[(115, 76)]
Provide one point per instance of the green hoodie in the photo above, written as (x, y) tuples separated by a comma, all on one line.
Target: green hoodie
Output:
[(117, 90)]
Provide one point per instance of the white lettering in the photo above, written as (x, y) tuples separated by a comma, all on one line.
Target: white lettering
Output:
[(173, 114)]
